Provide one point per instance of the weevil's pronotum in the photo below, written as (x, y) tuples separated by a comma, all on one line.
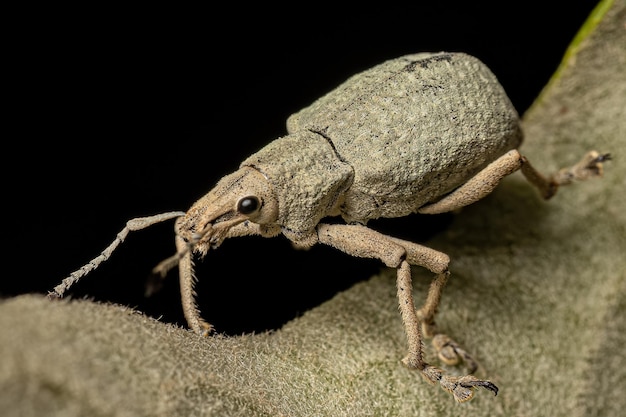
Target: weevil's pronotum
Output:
[(425, 133)]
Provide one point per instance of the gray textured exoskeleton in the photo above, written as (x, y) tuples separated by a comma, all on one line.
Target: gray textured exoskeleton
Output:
[(424, 133)]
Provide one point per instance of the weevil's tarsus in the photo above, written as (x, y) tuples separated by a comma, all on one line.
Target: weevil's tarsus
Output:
[(461, 387), (588, 167), (131, 226), (451, 353)]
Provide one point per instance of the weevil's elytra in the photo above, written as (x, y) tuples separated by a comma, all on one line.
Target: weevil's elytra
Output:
[(424, 133), (434, 122)]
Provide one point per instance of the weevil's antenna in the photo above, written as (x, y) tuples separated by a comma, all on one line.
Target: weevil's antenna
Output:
[(131, 226)]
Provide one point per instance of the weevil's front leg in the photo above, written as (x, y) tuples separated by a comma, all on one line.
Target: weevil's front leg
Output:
[(188, 279), (363, 242), (131, 226)]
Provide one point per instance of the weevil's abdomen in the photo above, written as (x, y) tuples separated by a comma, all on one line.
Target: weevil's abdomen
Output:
[(413, 129)]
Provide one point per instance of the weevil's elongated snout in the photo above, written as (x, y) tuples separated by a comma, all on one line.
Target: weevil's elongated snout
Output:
[(245, 195)]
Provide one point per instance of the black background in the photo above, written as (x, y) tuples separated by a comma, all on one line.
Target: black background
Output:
[(121, 113)]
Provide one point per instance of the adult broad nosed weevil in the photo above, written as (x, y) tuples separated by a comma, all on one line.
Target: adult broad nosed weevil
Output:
[(425, 133)]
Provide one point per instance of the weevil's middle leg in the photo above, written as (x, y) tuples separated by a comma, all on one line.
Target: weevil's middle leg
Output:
[(363, 242)]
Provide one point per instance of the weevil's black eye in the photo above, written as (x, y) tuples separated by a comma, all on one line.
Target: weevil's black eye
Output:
[(248, 205)]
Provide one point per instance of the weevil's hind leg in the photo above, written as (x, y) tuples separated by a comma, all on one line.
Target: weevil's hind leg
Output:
[(360, 241), (131, 226), (486, 180)]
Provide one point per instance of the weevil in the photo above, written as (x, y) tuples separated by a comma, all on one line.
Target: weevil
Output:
[(424, 133)]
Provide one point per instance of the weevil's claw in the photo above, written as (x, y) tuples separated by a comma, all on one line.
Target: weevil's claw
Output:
[(461, 387)]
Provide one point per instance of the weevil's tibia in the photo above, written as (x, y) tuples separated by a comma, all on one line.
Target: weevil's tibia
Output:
[(131, 226)]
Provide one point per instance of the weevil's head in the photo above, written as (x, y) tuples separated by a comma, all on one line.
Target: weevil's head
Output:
[(245, 195)]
